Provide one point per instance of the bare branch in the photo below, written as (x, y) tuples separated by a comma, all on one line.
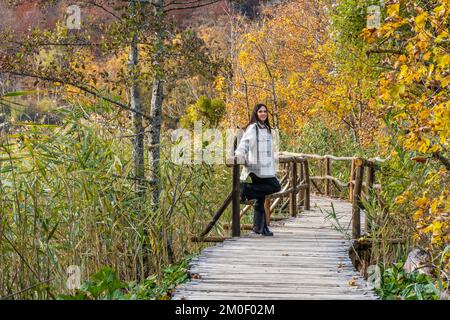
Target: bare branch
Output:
[(92, 91)]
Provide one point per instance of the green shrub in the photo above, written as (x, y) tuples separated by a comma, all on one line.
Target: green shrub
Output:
[(399, 285), (105, 285)]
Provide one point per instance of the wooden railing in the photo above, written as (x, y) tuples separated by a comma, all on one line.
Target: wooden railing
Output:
[(293, 182), (295, 179), (360, 184)]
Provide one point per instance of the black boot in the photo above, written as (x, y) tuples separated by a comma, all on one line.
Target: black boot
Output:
[(258, 222), (242, 195), (266, 231)]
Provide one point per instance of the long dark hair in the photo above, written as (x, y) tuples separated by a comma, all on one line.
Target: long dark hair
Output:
[(254, 117)]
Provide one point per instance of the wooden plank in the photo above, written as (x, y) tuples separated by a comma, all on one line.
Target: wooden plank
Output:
[(310, 272), (299, 292), (256, 296), (272, 297), (286, 288), (208, 296), (208, 239), (305, 259)]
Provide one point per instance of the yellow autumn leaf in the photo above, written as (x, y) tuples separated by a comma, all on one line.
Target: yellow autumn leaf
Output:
[(421, 202), (434, 205), (420, 21), (402, 58), (439, 10), (436, 226), (434, 148), (441, 37), (418, 214), (403, 71), (424, 114), (427, 56), (400, 200), (393, 9), (444, 61)]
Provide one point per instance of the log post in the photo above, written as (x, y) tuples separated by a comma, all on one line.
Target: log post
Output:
[(235, 198), (370, 180), (293, 195), (327, 173), (356, 208), (352, 177), (267, 203), (308, 182), (302, 192), (236, 219)]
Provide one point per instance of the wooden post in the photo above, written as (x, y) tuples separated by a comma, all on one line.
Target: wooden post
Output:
[(293, 195), (352, 177), (235, 198), (217, 215), (356, 209), (267, 210), (308, 189), (370, 180), (302, 192), (327, 173), (236, 219)]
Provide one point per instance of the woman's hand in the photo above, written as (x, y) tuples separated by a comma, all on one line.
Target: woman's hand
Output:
[(237, 159)]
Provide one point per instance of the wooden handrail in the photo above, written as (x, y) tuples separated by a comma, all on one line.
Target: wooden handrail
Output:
[(329, 156), (284, 188), (282, 193), (300, 180), (295, 183), (217, 215), (357, 184), (313, 156), (290, 159), (330, 178)]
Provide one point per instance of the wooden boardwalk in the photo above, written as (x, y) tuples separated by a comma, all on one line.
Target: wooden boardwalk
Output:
[(307, 258)]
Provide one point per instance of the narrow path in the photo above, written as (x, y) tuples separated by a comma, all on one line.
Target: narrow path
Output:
[(307, 258)]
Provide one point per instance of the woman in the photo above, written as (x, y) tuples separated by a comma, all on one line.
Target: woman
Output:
[(256, 152)]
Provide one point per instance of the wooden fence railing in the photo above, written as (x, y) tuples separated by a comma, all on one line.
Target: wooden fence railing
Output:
[(296, 179), (293, 182), (360, 184)]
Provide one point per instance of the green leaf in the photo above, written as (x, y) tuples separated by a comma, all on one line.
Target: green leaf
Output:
[(19, 93)]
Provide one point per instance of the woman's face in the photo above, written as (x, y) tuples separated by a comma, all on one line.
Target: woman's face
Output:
[(262, 114)]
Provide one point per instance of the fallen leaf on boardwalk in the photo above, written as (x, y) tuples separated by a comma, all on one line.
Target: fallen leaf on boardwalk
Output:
[(352, 283), (196, 276), (285, 254)]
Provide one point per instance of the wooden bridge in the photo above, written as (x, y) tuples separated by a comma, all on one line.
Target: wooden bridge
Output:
[(309, 255)]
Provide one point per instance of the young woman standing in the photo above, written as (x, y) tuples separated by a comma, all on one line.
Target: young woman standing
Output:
[(255, 151)]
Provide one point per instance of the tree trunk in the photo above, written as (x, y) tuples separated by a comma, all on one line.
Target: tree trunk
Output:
[(154, 140), (136, 118), (138, 145)]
